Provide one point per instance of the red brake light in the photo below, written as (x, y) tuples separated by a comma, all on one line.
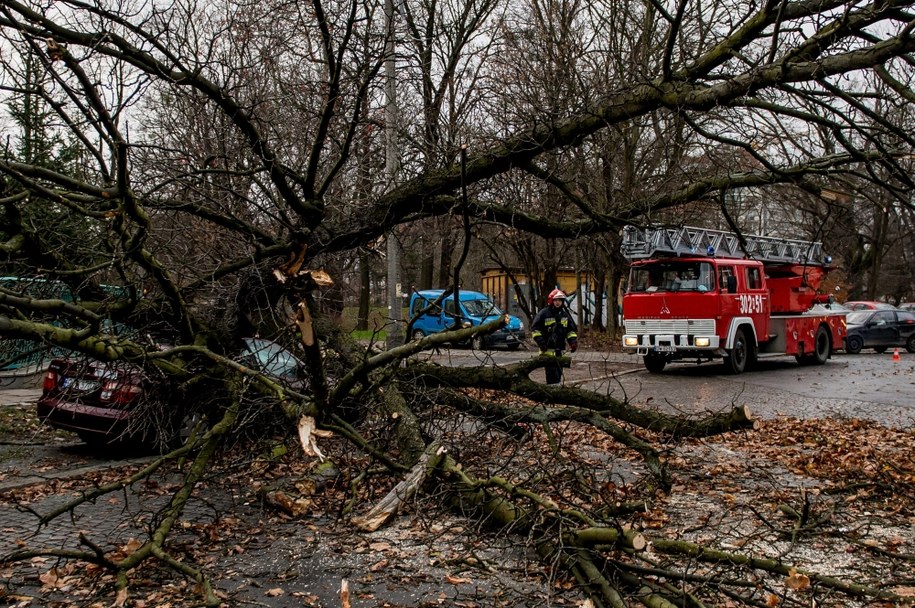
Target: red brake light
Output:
[(119, 392), (50, 381)]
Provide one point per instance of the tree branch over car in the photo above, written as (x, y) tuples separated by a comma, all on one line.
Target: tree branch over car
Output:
[(221, 167)]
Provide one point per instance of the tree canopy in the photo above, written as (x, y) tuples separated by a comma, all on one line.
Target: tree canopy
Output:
[(219, 155)]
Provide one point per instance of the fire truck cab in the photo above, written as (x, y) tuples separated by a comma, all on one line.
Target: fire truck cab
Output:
[(724, 304)]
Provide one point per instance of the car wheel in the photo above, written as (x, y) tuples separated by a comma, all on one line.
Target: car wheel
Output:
[(418, 334), (190, 426), (853, 344), (822, 346), (477, 343), (655, 363), (740, 354), (910, 344), (880, 349)]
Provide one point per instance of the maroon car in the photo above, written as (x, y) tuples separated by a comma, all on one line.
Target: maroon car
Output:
[(93, 399), (868, 305), (116, 403)]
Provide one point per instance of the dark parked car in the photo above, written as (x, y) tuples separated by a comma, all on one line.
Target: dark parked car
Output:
[(880, 330), (869, 305), (100, 401)]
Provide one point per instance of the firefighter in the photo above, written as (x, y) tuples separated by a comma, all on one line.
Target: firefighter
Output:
[(552, 328)]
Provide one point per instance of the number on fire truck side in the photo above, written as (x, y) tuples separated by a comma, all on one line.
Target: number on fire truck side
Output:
[(751, 304)]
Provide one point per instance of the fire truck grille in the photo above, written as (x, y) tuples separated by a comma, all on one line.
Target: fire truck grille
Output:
[(691, 327)]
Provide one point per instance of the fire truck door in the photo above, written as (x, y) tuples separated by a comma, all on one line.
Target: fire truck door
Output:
[(754, 301)]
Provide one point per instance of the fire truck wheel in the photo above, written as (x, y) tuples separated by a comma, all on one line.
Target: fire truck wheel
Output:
[(822, 345), (853, 344), (655, 363), (740, 354)]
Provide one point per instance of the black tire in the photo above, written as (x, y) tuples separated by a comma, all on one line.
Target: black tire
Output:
[(822, 346), (418, 334), (910, 344), (880, 349), (514, 346), (655, 363), (854, 344), (742, 353), (189, 423), (478, 343)]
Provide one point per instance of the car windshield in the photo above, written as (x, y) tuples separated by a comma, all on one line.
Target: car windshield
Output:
[(858, 317), (481, 308), (273, 359), (672, 275)]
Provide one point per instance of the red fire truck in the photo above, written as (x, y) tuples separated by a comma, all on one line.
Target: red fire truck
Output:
[(700, 294)]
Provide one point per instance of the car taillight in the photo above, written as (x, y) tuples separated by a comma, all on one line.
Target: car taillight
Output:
[(50, 381), (119, 392)]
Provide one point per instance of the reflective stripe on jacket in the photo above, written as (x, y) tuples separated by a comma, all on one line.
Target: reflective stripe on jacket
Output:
[(552, 328)]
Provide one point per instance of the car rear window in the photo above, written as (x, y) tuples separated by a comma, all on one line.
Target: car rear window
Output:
[(858, 317)]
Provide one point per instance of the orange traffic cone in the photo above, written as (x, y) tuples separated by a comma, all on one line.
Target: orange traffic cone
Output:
[(896, 354)]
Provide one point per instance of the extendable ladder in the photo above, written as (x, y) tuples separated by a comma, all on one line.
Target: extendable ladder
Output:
[(640, 243)]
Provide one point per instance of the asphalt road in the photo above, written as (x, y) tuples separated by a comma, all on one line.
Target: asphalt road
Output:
[(867, 385)]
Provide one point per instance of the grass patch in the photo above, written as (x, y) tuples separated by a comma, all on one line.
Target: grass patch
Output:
[(368, 335)]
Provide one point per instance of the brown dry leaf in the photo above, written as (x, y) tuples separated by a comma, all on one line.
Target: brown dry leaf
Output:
[(121, 598), (275, 592), (904, 591), (457, 580), (797, 581), (380, 546), (772, 600), (50, 578), (380, 565)]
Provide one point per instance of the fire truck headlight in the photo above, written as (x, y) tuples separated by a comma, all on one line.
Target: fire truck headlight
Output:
[(631, 341), (702, 342)]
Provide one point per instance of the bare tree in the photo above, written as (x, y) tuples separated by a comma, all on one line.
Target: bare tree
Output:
[(221, 172)]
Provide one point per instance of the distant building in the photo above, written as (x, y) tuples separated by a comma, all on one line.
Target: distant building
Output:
[(498, 284)]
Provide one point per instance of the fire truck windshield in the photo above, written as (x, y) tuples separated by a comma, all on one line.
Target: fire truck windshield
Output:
[(672, 275)]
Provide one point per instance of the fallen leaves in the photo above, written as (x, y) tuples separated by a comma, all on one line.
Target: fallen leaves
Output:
[(797, 581)]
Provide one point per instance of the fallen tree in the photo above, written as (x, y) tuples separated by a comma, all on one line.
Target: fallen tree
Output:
[(250, 168)]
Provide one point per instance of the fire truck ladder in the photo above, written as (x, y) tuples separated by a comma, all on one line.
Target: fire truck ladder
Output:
[(653, 242)]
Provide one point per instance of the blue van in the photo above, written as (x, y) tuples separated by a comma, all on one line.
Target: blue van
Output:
[(476, 309)]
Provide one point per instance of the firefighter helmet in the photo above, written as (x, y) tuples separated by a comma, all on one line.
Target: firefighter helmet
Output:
[(556, 294)]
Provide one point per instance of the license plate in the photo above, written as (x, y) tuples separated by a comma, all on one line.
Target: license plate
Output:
[(79, 385), (665, 348)]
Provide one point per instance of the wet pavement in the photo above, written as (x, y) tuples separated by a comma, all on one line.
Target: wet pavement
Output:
[(307, 558)]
